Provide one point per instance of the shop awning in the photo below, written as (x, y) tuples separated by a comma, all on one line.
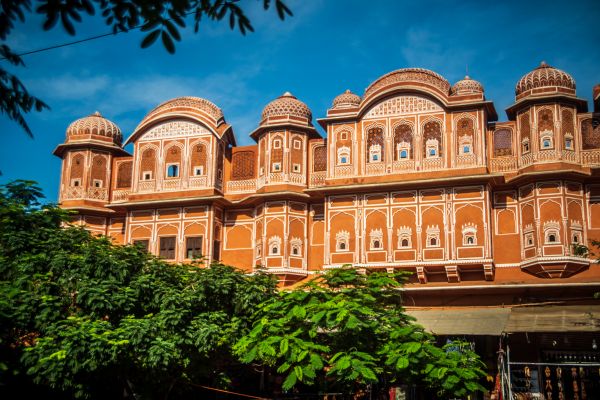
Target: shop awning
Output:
[(497, 320), (463, 321), (554, 319)]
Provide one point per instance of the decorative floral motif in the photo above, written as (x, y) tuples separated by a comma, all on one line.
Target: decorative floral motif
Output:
[(95, 124)]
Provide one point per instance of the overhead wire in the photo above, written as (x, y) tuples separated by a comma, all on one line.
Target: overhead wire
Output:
[(57, 46)]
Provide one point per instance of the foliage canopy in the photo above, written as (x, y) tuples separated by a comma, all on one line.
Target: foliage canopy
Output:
[(82, 317)]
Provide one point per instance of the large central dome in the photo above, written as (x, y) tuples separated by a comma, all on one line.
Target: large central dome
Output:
[(419, 75)]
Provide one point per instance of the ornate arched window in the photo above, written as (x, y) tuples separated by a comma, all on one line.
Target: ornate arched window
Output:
[(172, 161), (76, 173), (404, 237), (403, 142), (469, 233), (343, 155), (198, 158), (432, 136), (433, 236), (147, 164), (274, 246), (546, 129), (342, 241), (375, 145), (568, 129), (277, 154), (296, 247), (525, 130), (376, 239), (465, 132), (551, 232)]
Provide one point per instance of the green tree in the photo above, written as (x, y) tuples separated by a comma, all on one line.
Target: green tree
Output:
[(345, 330), (157, 18), (91, 319)]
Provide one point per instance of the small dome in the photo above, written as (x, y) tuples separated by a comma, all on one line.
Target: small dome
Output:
[(346, 100), (545, 76), (95, 124), (466, 86), (287, 105)]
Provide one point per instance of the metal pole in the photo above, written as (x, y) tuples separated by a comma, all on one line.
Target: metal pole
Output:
[(508, 366)]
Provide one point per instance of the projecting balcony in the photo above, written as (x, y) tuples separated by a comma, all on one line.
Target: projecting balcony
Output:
[(79, 193), (590, 157)]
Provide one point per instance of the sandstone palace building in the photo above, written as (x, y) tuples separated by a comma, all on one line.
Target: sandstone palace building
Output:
[(416, 174)]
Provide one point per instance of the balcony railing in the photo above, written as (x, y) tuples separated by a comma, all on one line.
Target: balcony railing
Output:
[(432, 163), (95, 193), (503, 164), (317, 179), (242, 186), (403, 165), (376, 168), (466, 160), (198, 182), (120, 194), (74, 192), (590, 157)]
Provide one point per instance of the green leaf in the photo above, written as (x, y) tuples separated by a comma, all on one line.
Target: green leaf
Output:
[(290, 381), (150, 38), (168, 42)]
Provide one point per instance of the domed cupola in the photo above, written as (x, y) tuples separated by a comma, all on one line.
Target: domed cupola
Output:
[(466, 86), (286, 106), (346, 100), (545, 79), (94, 126)]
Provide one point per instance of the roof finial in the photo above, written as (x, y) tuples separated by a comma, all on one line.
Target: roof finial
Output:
[(97, 113), (543, 64), (287, 94)]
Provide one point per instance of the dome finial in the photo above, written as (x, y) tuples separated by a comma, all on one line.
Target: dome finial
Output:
[(287, 94), (543, 64), (97, 113)]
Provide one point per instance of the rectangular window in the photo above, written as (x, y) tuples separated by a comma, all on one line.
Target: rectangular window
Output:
[(98, 183), (172, 170), (199, 170), (142, 243), (147, 175), (75, 182), (296, 168), (297, 144), (193, 247), (276, 167), (167, 247)]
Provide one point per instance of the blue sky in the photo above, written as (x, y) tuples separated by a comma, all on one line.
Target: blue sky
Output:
[(327, 47)]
